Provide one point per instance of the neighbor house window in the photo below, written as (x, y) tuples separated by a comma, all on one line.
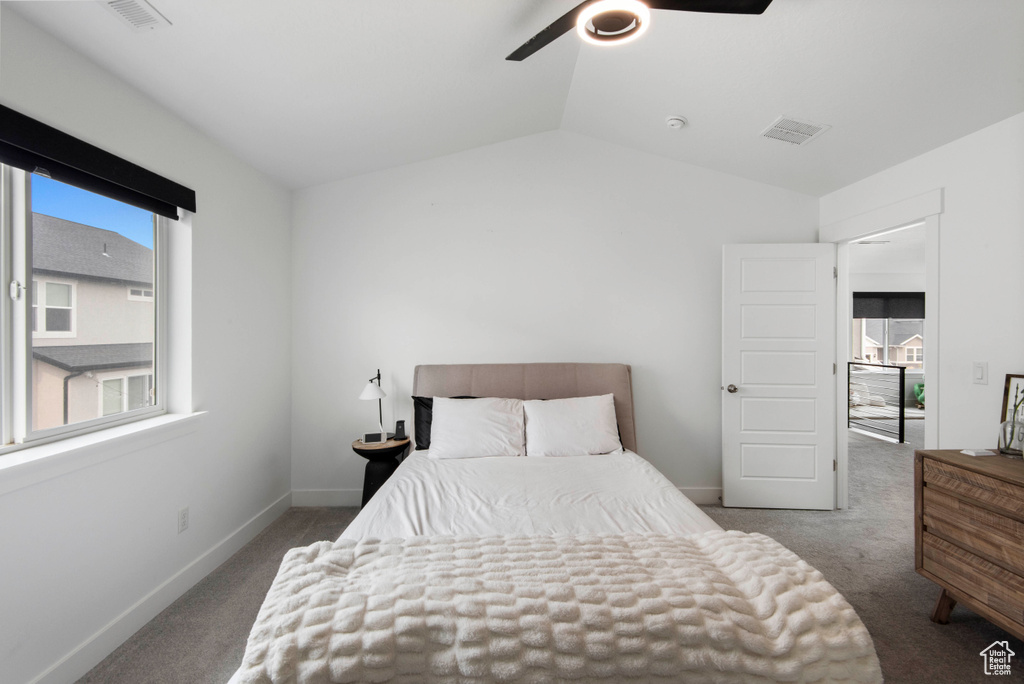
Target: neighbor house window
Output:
[(140, 295), (126, 394), (52, 308), (82, 229), (113, 390)]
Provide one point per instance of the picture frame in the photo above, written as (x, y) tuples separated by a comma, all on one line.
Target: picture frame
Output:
[(1013, 393)]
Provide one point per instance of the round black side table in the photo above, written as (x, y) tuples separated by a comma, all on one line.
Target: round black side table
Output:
[(382, 461)]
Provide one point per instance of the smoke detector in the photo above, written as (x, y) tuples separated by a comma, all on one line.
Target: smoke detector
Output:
[(139, 15), (676, 122), (794, 131)]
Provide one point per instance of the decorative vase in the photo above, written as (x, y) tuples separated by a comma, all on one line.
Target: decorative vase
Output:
[(1011, 439)]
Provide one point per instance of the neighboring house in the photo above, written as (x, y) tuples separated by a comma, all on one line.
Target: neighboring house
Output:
[(92, 322), (906, 341)]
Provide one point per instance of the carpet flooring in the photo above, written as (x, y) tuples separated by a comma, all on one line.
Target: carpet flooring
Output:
[(866, 552), (200, 638)]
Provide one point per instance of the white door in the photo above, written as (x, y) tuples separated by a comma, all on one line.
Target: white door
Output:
[(778, 382)]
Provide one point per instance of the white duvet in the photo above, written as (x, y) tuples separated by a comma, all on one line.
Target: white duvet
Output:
[(530, 570), (613, 494), (717, 607)]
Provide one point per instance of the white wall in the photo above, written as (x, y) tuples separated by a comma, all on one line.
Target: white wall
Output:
[(552, 247), (78, 550), (896, 266), (980, 276), (887, 282)]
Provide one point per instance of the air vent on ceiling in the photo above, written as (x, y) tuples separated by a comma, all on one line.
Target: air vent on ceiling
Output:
[(794, 131), (138, 14)]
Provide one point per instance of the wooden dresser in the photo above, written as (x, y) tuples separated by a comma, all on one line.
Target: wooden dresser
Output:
[(969, 534)]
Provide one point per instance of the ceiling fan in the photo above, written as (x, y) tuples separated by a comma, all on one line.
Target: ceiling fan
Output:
[(617, 21)]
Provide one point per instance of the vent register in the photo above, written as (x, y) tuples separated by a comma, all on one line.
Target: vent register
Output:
[(794, 131), (139, 15)]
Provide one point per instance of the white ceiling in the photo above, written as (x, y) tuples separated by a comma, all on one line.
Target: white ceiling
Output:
[(314, 90)]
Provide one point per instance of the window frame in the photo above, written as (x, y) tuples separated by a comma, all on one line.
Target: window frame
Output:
[(16, 336)]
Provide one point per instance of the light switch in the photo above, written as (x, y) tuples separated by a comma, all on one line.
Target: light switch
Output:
[(981, 372)]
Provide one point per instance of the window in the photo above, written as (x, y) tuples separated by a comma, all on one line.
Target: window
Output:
[(79, 228), (889, 341), (52, 308), (89, 357), (126, 394), (136, 294), (888, 328)]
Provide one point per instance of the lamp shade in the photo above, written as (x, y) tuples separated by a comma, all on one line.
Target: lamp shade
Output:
[(372, 391)]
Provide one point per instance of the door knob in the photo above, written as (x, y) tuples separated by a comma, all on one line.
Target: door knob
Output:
[(732, 389)]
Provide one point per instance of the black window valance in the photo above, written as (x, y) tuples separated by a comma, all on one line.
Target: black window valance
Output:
[(888, 304), (31, 145)]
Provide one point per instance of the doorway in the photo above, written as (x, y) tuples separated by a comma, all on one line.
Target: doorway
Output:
[(886, 366), (921, 212)]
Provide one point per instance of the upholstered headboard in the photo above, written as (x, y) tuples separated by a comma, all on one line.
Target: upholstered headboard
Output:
[(534, 381)]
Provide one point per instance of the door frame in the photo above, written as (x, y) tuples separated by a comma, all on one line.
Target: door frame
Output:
[(924, 209)]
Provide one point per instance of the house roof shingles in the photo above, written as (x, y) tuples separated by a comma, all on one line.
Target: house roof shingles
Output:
[(86, 357), (61, 246)]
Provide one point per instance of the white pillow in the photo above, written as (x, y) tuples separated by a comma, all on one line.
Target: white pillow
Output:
[(572, 427), (467, 428)]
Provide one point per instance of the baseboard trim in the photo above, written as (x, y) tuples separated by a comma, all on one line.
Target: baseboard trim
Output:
[(326, 497), (101, 644), (702, 495)]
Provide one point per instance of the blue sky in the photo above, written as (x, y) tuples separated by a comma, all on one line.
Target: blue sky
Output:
[(81, 206)]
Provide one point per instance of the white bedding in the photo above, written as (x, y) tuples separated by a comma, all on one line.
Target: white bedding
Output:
[(613, 494), (525, 570), (718, 607)]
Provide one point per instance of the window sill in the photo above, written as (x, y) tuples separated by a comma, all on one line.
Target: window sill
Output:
[(33, 465)]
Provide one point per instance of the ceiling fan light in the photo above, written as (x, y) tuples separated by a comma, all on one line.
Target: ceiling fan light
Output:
[(588, 31)]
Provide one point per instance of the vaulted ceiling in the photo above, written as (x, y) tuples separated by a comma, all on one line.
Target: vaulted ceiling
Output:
[(310, 91)]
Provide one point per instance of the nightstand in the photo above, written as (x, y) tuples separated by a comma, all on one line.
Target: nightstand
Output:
[(382, 461)]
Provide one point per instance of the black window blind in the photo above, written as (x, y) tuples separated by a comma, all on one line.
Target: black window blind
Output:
[(36, 147), (888, 304)]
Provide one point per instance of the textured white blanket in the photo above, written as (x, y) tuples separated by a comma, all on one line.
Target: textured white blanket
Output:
[(712, 607)]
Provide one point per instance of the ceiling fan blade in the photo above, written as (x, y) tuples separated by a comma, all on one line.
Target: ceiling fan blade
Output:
[(721, 6), (567, 21), (559, 27)]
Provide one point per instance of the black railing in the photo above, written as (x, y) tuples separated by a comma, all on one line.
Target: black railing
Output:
[(876, 399)]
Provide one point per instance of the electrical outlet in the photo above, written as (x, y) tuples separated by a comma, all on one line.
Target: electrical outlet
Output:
[(183, 520)]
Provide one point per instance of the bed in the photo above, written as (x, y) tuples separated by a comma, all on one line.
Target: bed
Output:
[(531, 569)]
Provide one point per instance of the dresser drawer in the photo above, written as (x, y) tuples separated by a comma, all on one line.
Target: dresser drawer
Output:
[(988, 534), (969, 534), (987, 583), (999, 495)]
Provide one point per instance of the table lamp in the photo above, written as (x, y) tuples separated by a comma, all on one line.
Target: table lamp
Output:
[(372, 391)]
